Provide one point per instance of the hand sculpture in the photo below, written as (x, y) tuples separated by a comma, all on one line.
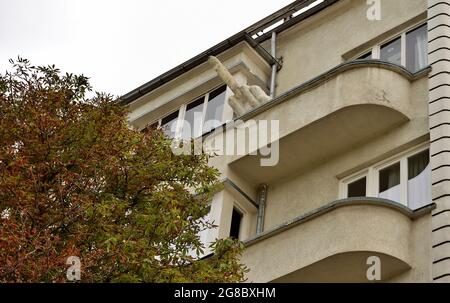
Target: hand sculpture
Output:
[(245, 97)]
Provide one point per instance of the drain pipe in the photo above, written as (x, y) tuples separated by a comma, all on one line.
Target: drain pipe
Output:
[(262, 200), (274, 66)]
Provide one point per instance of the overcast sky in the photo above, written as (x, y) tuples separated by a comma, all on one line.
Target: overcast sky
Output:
[(121, 44)]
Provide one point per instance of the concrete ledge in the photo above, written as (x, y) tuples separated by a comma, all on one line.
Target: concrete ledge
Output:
[(339, 204)]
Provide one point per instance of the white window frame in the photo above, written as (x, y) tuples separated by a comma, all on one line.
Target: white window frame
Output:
[(159, 121), (182, 112), (373, 174), (346, 182), (248, 212), (244, 215), (376, 50), (403, 161), (182, 116)]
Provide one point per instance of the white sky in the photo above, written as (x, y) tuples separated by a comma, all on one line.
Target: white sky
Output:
[(121, 44)]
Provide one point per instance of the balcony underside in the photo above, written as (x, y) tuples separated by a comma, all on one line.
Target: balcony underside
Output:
[(320, 141), (346, 268), (333, 243)]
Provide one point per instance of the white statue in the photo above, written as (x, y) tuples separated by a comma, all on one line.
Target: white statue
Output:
[(245, 97)]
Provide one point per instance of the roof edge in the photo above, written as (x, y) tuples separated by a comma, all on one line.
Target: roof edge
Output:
[(219, 48)]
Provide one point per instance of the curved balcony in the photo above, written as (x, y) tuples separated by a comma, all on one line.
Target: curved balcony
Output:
[(333, 243), (330, 114)]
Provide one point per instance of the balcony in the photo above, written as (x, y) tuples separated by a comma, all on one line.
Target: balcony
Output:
[(333, 243), (347, 106)]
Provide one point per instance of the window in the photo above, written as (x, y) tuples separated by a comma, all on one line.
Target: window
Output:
[(358, 188), (405, 178), (169, 124), (419, 176), (215, 110), (154, 125), (408, 49), (417, 49), (194, 119), (365, 56), (389, 182), (392, 52), (355, 187), (236, 220)]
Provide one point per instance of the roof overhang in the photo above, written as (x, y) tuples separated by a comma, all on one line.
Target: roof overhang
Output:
[(253, 35)]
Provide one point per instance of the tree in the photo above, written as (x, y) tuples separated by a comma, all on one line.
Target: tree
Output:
[(76, 180)]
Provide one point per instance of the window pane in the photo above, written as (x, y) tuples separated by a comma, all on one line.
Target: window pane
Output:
[(358, 188), (151, 127), (235, 224), (417, 49), (193, 120), (417, 164), (168, 124), (419, 184), (366, 56), (390, 183), (391, 52), (214, 111)]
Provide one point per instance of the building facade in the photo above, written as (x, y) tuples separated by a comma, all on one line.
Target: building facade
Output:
[(340, 172)]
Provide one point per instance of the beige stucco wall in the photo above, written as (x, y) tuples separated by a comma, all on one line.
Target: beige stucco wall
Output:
[(420, 253), (305, 191), (309, 49), (299, 193), (296, 194), (317, 45)]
